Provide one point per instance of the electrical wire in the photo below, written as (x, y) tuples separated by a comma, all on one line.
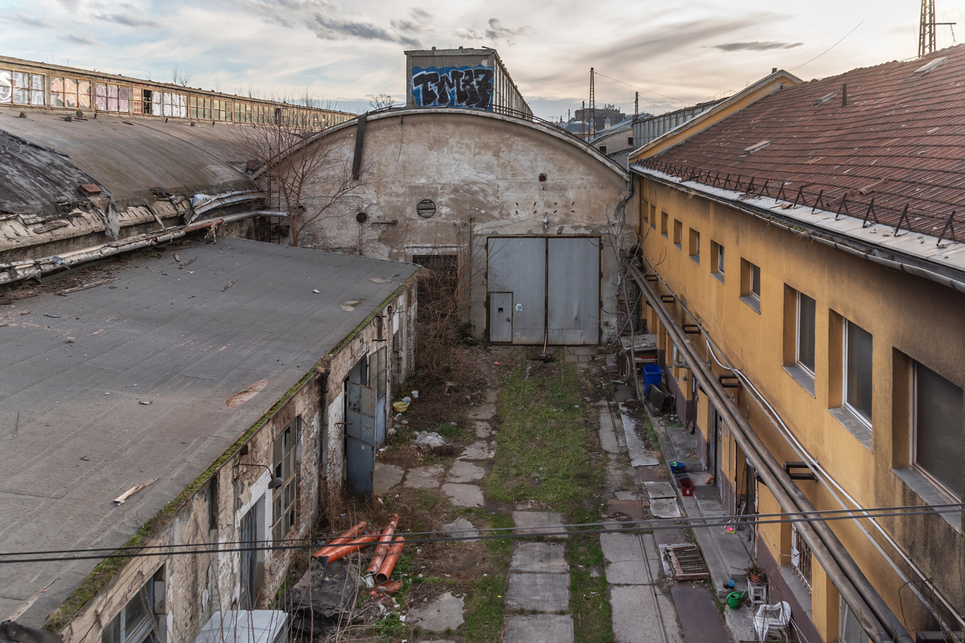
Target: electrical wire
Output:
[(576, 529), (617, 80), (829, 48)]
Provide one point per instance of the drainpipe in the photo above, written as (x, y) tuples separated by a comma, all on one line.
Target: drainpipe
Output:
[(878, 621)]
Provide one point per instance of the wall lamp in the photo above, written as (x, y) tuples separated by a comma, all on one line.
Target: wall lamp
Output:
[(275, 481)]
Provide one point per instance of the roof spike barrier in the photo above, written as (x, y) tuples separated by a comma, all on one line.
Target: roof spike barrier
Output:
[(871, 212), (904, 217), (800, 195), (750, 186), (764, 188), (818, 201), (727, 181), (716, 176), (781, 195), (843, 206), (950, 224)]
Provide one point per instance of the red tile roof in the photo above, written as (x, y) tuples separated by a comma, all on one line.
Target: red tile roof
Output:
[(897, 142)]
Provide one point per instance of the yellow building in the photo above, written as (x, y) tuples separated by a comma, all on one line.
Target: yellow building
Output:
[(804, 270)]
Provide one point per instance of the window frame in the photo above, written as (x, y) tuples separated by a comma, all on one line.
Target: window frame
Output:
[(693, 248), (664, 224), (797, 333), (148, 627), (751, 284), (678, 233), (846, 367), (915, 418), (801, 560), (286, 464), (717, 258)]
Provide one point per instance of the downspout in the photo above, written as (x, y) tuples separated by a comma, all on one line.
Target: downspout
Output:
[(878, 621)]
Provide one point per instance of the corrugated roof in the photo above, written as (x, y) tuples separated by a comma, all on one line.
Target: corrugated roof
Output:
[(898, 139), (73, 433)]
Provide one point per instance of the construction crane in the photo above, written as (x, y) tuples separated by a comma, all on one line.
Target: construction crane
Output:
[(926, 32)]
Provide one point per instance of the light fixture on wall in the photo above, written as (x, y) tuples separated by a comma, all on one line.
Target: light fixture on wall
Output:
[(275, 481)]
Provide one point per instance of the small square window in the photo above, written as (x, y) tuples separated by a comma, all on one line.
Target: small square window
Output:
[(694, 247), (751, 284), (678, 233), (664, 219), (717, 260)]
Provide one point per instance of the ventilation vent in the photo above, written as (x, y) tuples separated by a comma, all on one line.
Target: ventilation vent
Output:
[(826, 98), (757, 147)]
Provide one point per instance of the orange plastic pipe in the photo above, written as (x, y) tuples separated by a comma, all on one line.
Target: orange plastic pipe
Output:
[(344, 538), (390, 560), (383, 548), (344, 550)]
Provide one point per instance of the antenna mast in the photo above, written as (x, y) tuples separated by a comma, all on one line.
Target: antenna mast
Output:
[(926, 31), (592, 129)]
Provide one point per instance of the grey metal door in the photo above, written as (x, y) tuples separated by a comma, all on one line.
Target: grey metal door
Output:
[(501, 317), (360, 437), (517, 265), (573, 290)]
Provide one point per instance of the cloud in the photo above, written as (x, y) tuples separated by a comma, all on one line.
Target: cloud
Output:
[(39, 23), (497, 31), (330, 28), (757, 45), (128, 20), (79, 40), (419, 23)]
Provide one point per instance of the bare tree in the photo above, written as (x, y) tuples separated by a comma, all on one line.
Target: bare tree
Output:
[(304, 176), (181, 75), (381, 101)]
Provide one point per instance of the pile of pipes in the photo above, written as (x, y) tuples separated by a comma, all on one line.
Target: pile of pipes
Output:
[(326, 596)]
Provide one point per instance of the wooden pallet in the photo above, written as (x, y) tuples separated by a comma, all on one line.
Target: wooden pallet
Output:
[(686, 562)]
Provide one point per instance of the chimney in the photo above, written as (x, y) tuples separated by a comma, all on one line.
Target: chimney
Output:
[(844, 95)]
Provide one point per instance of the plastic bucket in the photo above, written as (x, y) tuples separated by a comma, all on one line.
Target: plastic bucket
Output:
[(734, 599)]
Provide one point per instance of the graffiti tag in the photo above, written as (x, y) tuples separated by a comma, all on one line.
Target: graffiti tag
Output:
[(453, 87)]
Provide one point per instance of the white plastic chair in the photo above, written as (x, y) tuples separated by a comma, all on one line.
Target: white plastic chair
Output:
[(772, 620)]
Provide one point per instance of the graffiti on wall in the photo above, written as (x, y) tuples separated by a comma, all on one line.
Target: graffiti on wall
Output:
[(453, 87)]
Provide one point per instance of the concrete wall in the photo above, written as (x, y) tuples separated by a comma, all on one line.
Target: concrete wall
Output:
[(909, 319), (486, 175)]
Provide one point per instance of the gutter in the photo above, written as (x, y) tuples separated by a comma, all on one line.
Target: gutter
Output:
[(877, 619), (35, 268), (909, 264)]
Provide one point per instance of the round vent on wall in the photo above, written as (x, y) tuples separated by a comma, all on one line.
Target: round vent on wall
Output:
[(361, 217), (426, 208)]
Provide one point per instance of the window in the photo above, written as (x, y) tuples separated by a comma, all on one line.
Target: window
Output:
[(801, 558), (804, 342), (377, 369), (143, 100), (653, 216), (751, 284), (22, 88), (664, 220), (287, 463), (851, 630), (694, 248), (678, 233), (717, 260), (857, 371), (170, 104), (937, 437), (603, 149), (112, 98), (137, 621), (70, 93), (629, 140)]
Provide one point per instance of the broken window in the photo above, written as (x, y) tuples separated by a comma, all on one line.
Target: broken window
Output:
[(801, 558), (144, 101), (286, 460)]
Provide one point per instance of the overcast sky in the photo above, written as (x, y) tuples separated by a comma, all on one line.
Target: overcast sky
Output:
[(344, 52)]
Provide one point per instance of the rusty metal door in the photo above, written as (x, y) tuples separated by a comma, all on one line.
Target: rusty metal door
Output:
[(573, 291), (501, 317), (517, 265), (360, 437)]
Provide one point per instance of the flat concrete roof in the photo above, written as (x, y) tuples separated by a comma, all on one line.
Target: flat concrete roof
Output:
[(183, 332)]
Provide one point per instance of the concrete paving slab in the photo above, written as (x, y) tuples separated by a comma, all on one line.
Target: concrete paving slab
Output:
[(491, 396), (538, 592), (482, 428), (385, 477), (615, 476), (539, 557), (659, 490), (608, 436), (665, 508), (539, 628), (652, 474), (478, 451), (528, 522), (464, 495), (639, 614), (631, 508), (429, 477), (625, 561), (439, 615), (640, 456), (653, 555), (482, 412), (699, 617), (460, 528), (461, 471)]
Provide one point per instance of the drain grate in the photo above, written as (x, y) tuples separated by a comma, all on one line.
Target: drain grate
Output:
[(686, 562)]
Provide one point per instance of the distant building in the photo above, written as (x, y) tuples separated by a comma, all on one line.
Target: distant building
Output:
[(468, 78)]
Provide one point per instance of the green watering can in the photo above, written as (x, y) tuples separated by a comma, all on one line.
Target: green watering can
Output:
[(734, 599)]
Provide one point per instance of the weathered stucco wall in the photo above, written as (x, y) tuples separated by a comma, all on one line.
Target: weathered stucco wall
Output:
[(485, 175), (909, 319)]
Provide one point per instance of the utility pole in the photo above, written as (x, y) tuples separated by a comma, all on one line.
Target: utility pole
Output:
[(583, 121), (636, 104)]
